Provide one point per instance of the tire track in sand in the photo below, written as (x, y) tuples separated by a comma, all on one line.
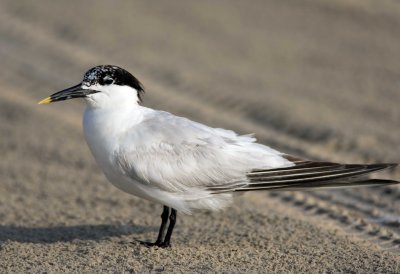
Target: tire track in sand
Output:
[(335, 208)]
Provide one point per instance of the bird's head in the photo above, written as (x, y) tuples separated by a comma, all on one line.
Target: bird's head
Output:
[(102, 86)]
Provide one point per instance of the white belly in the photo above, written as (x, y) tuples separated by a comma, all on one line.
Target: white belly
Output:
[(102, 131)]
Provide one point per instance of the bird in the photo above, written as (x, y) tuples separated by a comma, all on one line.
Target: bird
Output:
[(185, 165)]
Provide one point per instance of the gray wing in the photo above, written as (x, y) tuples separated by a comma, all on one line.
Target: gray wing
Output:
[(176, 154)]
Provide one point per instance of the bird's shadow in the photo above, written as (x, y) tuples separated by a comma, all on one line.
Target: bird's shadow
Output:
[(67, 233)]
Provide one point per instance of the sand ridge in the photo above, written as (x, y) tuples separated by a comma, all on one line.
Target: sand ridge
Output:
[(318, 80)]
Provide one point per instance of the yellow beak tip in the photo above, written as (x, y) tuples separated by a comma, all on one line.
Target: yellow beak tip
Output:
[(45, 101)]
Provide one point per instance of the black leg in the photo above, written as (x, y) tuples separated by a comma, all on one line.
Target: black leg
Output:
[(172, 221), (164, 220)]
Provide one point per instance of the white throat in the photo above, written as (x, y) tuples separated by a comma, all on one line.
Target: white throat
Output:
[(112, 96)]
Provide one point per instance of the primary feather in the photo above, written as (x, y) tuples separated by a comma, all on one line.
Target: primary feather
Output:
[(308, 174)]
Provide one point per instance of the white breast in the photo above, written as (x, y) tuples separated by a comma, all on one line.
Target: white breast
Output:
[(102, 129)]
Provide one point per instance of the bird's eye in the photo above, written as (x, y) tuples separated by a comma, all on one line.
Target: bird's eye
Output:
[(108, 81)]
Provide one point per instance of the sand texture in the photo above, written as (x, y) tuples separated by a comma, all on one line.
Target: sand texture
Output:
[(317, 79)]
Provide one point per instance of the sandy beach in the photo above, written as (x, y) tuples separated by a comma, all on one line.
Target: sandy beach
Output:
[(316, 79)]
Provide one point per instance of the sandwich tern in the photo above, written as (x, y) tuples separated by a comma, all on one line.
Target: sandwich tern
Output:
[(182, 164)]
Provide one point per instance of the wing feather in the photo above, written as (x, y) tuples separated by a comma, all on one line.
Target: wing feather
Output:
[(176, 154), (308, 174)]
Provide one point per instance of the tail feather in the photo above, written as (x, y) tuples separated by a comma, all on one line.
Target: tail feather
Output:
[(306, 175), (323, 185)]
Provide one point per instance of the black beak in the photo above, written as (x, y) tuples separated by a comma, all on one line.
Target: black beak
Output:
[(69, 93)]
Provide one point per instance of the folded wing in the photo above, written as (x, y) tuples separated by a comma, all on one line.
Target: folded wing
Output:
[(307, 175)]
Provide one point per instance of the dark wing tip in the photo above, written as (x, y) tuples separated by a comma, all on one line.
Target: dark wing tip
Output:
[(382, 165), (390, 182), (301, 161), (391, 165), (307, 174)]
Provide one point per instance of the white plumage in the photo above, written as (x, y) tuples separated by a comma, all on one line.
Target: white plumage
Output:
[(182, 164), (169, 159)]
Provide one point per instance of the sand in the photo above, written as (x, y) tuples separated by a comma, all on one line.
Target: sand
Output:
[(315, 79)]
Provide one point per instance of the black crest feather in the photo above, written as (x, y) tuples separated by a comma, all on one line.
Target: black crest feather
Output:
[(109, 74)]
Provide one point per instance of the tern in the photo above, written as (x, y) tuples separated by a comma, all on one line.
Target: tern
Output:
[(182, 164)]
